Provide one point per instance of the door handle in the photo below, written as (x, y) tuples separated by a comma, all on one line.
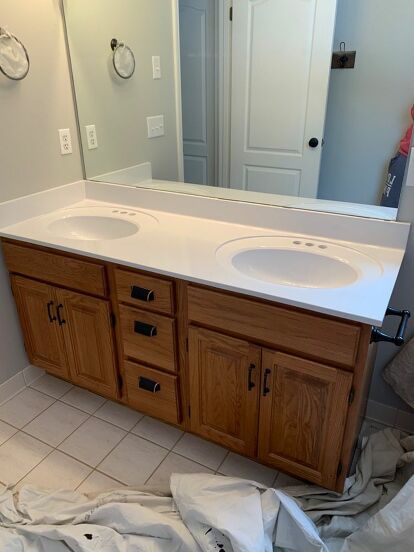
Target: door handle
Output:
[(313, 143), (51, 316), (266, 389), (250, 382), (399, 338), (59, 317)]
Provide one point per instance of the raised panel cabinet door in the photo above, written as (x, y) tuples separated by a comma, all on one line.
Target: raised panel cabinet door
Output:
[(36, 304), (87, 329), (224, 378), (303, 410)]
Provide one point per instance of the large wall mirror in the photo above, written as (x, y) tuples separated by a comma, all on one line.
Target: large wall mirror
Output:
[(300, 103)]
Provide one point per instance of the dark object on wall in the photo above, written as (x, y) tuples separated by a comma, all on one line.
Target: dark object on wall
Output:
[(344, 59), (398, 339)]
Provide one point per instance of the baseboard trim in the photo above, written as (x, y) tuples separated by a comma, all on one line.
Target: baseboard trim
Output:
[(18, 382)]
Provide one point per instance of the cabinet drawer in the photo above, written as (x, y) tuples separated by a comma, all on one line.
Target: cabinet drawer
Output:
[(144, 291), (148, 337), (152, 392), (292, 330), (55, 269)]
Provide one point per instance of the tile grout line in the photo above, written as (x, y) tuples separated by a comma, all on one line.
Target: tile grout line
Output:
[(224, 459), (128, 432), (53, 448)]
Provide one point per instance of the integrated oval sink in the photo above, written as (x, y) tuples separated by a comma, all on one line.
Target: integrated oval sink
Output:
[(99, 223), (87, 227), (297, 262)]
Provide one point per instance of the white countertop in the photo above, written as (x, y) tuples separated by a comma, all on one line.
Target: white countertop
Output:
[(174, 243)]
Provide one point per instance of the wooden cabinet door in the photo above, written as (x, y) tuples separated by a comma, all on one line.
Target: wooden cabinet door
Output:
[(224, 376), (303, 410), (36, 304), (86, 324)]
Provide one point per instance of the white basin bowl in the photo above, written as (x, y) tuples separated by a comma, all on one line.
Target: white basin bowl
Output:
[(99, 223), (85, 227), (297, 262)]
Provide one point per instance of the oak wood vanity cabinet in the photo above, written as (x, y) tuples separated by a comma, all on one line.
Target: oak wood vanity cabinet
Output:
[(284, 386)]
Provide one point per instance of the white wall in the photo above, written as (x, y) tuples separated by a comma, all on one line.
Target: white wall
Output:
[(118, 107), (31, 111), (369, 106)]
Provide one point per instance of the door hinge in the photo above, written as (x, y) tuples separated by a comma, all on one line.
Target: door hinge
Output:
[(231, 13), (339, 470), (189, 411), (351, 396), (120, 382), (113, 320)]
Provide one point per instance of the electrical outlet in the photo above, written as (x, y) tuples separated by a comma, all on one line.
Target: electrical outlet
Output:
[(91, 136), (65, 141), (155, 126), (156, 67)]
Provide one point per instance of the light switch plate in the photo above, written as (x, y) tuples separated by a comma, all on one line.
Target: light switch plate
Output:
[(155, 126), (156, 67), (65, 141), (91, 136)]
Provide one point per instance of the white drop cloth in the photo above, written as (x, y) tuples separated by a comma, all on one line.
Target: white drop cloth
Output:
[(213, 513)]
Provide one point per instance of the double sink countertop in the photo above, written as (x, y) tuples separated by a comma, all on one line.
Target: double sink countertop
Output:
[(334, 264)]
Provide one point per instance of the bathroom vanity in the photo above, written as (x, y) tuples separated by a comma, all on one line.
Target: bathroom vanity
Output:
[(251, 336)]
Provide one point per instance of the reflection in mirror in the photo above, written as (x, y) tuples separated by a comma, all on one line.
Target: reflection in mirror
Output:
[(300, 103)]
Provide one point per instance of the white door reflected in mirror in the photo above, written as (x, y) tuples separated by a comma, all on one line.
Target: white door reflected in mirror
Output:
[(252, 110)]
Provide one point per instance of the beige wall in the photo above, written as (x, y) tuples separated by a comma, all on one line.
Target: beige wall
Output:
[(31, 112), (118, 107)]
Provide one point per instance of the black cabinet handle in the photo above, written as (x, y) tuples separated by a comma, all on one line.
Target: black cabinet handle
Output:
[(59, 317), (266, 389), (142, 294), (250, 383), (313, 143), (149, 385), (377, 335), (145, 329), (51, 316)]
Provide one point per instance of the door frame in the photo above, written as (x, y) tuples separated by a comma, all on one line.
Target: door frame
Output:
[(223, 95), (175, 9)]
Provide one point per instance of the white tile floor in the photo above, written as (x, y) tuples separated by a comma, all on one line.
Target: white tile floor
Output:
[(56, 435)]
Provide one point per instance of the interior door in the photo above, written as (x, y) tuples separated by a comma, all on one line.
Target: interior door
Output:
[(303, 410), (280, 75), (87, 330), (224, 389), (36, 304), (197, 42)]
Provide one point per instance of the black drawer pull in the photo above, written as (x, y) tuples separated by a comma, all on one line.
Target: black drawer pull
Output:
[(398, 339), (61, 320), (145, 329), (149, 385), (51, 316), (250, 382), (142, 294), (266, 388)]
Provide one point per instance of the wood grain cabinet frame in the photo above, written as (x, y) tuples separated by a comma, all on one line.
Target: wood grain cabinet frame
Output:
[(36, 304), (284, 386), (224, 389), (303, 411)]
